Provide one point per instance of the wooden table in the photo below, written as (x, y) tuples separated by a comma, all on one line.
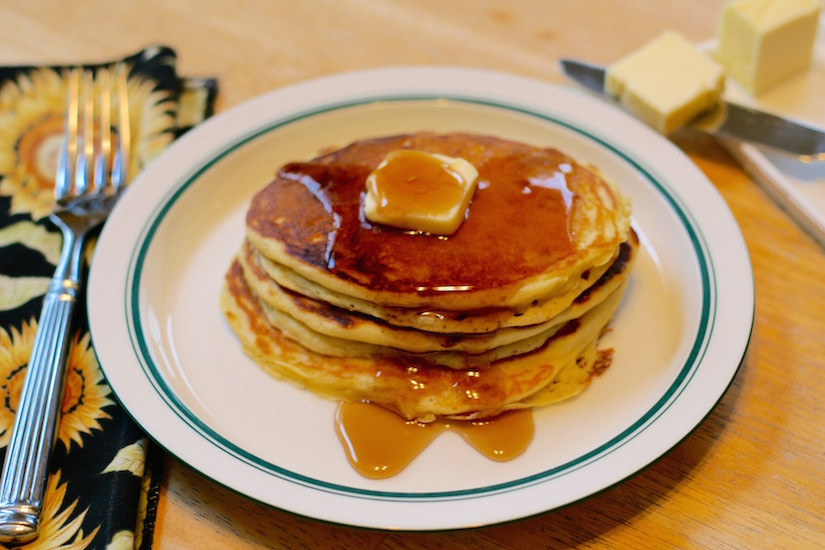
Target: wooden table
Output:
[(752, 474)]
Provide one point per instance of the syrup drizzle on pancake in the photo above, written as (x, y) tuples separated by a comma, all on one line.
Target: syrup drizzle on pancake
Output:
[(517, 227)]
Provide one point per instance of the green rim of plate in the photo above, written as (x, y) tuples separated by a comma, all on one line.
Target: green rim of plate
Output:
[(153, 375)]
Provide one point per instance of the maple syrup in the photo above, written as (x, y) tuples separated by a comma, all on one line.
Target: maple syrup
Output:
[(379, 443)]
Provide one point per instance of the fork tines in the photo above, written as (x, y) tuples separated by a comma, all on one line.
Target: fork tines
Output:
[(97, 136)]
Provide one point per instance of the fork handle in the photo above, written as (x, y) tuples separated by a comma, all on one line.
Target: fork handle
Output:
[(23, 481)]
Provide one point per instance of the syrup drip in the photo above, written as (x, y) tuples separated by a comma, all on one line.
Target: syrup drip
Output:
[(379, 443)]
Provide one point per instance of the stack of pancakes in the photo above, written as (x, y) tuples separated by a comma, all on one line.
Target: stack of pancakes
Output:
[(503, 314)]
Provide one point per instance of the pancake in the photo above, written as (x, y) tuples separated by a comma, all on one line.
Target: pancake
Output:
[(328, 329), (539, 221), (431, 319), (504, 313), (561, 368)]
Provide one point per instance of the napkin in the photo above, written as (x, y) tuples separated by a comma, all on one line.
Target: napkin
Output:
[(104, 474)]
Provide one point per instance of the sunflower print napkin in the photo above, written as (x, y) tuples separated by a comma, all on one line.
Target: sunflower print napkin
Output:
[(104, 472)]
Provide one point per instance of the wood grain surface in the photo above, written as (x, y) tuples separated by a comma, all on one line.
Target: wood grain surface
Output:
[(752, 475)]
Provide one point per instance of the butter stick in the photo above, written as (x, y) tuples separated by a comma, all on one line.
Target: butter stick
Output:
[(764, 42), (666, 83)]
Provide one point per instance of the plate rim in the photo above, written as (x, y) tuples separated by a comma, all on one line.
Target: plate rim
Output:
[(693, 362)]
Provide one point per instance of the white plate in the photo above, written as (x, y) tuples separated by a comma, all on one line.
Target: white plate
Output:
[(679, 336)]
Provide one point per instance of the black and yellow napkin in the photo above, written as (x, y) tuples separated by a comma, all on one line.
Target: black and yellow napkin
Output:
[(104, 472)]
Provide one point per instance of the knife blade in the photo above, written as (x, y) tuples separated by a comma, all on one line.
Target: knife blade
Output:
[(729, 120)]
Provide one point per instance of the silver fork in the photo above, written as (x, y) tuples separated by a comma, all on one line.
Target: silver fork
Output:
[(91, 175)]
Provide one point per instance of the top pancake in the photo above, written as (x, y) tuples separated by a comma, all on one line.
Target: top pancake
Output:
[(537, 223)]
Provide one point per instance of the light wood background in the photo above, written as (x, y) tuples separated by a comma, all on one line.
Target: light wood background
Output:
[(751, 476)]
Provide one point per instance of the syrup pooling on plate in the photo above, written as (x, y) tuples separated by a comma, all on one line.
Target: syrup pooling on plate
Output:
[(379, 443)]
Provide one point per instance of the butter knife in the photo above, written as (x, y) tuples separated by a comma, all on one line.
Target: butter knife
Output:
[(729, 120)]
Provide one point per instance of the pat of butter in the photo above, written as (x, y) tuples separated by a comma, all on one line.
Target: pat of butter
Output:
[(763, 42), (420, 191), (666, 83)]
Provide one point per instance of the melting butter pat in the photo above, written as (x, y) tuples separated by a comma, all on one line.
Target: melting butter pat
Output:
[(666, 83), (420, 191), (763, 42)]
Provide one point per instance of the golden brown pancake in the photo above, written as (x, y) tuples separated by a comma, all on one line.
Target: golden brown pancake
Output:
[(562, 367), (331, 330), (431, 319), (538, 221)]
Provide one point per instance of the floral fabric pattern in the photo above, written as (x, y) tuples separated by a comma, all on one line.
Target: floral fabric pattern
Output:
[(103, 470)]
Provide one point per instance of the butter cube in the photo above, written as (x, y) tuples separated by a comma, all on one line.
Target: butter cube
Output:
[(420, 191), (666, 83), (763, 42)]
